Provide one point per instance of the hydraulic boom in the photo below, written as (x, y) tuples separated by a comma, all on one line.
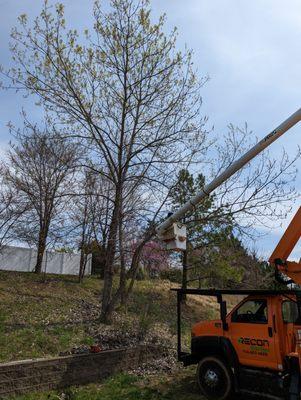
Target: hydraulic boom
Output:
[(175, 234), (279, 258)]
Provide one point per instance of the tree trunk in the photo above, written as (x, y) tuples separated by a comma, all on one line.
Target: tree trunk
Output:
[(184, 274), (40, 255), (106, 309), (122, 279), (132, 273), (83, 247), (131, 276), (82, 265)]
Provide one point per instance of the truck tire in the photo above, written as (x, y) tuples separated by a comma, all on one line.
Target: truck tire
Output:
[(214, 378)]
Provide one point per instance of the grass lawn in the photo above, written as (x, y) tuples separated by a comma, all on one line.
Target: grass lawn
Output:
[(40, 318), (179, 386)]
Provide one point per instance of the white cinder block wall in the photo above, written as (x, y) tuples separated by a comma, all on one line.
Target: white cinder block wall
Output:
[(14, 258)]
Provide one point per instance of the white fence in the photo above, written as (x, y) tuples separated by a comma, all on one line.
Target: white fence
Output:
[(22, 259)]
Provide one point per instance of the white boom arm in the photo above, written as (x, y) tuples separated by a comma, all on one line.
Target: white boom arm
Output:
[(165, 226)]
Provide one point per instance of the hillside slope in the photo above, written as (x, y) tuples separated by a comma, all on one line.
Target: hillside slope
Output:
[(41, 317)]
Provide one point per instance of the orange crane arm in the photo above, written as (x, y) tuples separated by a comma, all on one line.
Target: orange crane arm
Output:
[(284, 249)]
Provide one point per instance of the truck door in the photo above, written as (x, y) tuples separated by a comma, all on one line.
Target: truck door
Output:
[(252, 334)]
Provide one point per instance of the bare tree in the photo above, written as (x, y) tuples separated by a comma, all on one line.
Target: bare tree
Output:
[(11, 210), (261, 192), (89, 214), (39, 172), (133, 99), (134, 102), (79, 215)]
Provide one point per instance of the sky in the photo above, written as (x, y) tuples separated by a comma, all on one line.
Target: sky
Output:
[(251, 51)]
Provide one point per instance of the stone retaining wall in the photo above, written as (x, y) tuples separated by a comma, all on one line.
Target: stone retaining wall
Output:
[(56, 373)]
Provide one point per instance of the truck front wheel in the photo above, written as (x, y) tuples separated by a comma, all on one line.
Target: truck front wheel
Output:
[(214, 379)]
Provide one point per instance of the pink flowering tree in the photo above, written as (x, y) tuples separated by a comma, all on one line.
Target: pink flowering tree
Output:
[(154, 258)]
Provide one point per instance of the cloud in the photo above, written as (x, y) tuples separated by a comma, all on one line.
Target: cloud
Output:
[(251, 51)]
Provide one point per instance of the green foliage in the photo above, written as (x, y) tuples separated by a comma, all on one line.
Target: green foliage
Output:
[(172, 274), (218, 265), (207, 221), (209, 232), (216, 257), (186, 187)]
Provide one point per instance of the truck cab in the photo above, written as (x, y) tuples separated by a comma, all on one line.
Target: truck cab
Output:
[(253, 349), (260, 329)]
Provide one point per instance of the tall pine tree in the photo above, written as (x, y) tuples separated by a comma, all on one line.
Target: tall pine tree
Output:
[(211, 245)]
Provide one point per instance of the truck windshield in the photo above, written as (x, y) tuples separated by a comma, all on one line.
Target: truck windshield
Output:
[(289, 312)]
